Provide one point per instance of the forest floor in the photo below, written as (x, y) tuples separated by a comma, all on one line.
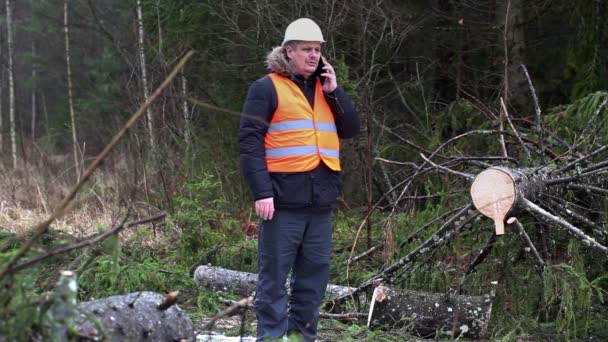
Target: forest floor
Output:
[(232, 328), (79, 223)]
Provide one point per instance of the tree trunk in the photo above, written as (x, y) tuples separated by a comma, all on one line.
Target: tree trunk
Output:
[(431, 314), (34, 109), (511, 17), (137, 316), (515, 190), (46, 118), (11, 82), (144, 76), (244, 283), (140, 316), (186, 113), (474, 312), (70, 93)]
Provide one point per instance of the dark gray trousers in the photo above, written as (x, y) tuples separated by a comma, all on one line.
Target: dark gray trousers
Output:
[(296, 240)]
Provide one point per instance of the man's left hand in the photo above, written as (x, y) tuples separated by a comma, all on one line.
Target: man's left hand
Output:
[(331, 83)]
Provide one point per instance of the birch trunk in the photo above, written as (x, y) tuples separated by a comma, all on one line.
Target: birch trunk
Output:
[(245, 283), (144, 76), (11, 82), (186, 112), (46, 117), (70, 94), (34, 76)]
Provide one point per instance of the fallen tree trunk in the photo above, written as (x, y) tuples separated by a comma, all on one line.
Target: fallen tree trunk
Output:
[(140, 316), (244, 283), (499, 191), (428, 315)]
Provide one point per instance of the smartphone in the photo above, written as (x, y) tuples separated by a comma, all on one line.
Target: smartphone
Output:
[(320, 70)]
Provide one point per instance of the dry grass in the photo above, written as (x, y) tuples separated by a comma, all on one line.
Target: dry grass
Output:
[(78, 223), (29, 194)]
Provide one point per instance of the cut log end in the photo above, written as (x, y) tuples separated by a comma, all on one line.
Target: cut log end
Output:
[(494, 194)]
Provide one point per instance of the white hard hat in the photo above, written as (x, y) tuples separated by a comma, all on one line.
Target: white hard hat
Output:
[(303, 29)]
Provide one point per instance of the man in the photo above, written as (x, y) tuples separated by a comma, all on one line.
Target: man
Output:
[(289, 139)]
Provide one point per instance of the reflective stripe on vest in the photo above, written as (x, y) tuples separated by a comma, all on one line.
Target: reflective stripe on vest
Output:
[(300, 137)]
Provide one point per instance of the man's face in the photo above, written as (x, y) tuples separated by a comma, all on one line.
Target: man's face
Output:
[(304, 59)]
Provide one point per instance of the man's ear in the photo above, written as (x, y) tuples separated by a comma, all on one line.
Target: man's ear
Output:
[(288, 51)]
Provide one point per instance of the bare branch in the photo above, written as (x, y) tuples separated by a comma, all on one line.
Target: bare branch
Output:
[(468, 176), (543, 214), (504, 108), (241, 304), (540, 263)]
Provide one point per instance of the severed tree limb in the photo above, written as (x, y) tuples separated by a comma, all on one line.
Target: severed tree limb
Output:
[(236, 306), (572, 164), (594, 167), (539, 262), (564, 211), (481, 256), (592, 119), (467, 176), (543, 214), (61, 208), (169, 301), (438, 238), (364, 254), (426, 226), (351, 316), (579, 207), (488, 158), (413, 165), (595, 172), (483, 253), (588, 188)]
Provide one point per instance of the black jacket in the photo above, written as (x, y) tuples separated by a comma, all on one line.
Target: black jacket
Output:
[(317, 188)]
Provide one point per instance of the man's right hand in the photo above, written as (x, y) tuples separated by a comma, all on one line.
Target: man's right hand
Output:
[(265, 208)]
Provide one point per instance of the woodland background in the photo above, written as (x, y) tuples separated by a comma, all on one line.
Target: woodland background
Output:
[(421, 72)]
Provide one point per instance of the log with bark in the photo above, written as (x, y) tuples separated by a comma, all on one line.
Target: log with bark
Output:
[(427, 313), (541, 188), (430, 315), (140, 316), (499, 191), (552, 195), (244, 283)]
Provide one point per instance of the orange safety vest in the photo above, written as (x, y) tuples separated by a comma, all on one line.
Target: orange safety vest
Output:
[(300, 137)]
